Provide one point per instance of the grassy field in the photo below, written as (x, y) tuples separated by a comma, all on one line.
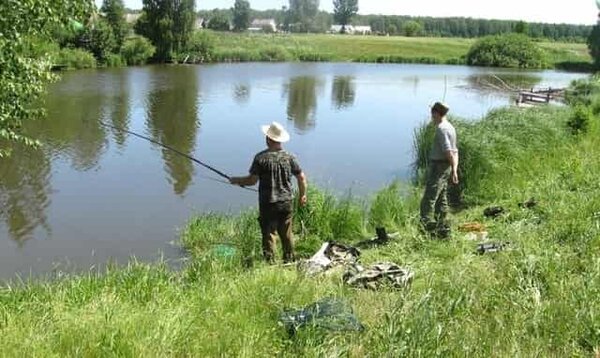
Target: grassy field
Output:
[(538, 299), (257, 47)]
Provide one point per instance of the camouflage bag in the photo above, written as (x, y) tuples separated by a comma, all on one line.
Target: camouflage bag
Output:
[(378, 275)]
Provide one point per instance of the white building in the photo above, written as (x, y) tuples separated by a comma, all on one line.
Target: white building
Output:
[(199, 23), (132, 18), (362, 30), (351, 29), (259, 25)]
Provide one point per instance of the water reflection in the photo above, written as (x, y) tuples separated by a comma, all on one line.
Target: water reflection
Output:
[(70, 205), (70, 131), (343, 92), (120, 106), (502, 81), (172, 119), (302, 102), (24, 192), (414, 81), (241, 93), (72, 128)]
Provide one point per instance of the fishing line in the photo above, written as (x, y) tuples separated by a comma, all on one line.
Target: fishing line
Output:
[(225, 182), (212, 169)]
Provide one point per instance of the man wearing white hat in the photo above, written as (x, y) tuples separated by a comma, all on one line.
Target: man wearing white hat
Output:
[(273, 169), (443, 167)]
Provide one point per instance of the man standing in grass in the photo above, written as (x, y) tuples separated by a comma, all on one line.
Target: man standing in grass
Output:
[(443, 166), (273, 168)]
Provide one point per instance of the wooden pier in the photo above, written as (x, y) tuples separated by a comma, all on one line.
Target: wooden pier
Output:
[(540, 96)]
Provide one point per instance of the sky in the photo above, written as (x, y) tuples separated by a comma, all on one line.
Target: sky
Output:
[(549, 11)]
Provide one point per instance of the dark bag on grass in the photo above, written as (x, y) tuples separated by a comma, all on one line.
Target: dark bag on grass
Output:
[(331, 314)]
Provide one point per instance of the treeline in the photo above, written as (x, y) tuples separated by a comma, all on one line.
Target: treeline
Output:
[(470, 28), (425, 26)]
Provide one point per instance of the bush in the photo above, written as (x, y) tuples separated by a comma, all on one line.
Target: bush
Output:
[(137, 51), (275, 54), (237, 55), (388, 209), (219, 22), (580, 120), (114, 60), (412, 28), (75, 59), (35, 47), (594, 45), (65, 36), (509, 50), (583, 92), (486, 146), (268, 29), (201, 47), (100, 41), (595, 105)]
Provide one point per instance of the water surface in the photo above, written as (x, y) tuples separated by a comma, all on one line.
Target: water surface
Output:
[(94, 194)]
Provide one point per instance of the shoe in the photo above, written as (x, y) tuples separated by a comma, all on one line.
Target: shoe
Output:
[(443, 233)]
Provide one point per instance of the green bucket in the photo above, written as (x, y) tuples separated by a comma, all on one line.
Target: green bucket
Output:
[(75, 25), (223, 251)]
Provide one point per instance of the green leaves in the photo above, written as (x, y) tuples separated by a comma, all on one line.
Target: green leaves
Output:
[(594, 45), (512, 50), (22, 79), (241, 15), (168, 24), (343, 10)]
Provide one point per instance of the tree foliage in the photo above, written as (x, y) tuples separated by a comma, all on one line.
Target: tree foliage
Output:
[(218, 22), (241, 15), (411, 28), (168, 24), (100, 40), (594, 45), (137, 51), (522, 27), (302, 15), (511, 50), (114, 13), (22, 78), (431, 26), (343, 11)]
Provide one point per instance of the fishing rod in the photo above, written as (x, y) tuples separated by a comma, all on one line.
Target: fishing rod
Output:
[(212, 169)]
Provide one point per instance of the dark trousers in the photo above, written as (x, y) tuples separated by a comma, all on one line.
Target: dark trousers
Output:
[(435, 198), (276, 218)]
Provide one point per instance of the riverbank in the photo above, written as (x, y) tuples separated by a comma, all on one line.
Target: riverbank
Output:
[(374, 49), (209, 46), (537, 299)]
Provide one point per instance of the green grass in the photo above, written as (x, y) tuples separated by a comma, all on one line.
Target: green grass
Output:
[(539, 299), (395, 49)]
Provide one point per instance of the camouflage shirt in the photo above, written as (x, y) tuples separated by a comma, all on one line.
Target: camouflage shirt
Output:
[(275, 170)]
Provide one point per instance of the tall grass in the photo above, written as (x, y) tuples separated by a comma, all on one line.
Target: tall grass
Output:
[(513, 143), (538, 299), (237, 47), (230, 47), (75, 59)]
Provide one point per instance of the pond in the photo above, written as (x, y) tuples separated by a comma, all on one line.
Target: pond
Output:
[(94, 194)]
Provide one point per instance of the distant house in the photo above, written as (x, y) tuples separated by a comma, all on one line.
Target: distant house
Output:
[(351, 29), (199, 23), (363, 30), (132, 18), (259, 25)]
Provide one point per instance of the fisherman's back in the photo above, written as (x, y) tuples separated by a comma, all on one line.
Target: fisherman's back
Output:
[(275, 170), (444, 141)]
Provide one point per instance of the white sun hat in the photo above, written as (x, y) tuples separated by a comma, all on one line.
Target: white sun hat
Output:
[(276, 132)]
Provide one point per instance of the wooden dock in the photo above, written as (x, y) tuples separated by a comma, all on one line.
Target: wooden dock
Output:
[(58, 67), (540, 96)]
